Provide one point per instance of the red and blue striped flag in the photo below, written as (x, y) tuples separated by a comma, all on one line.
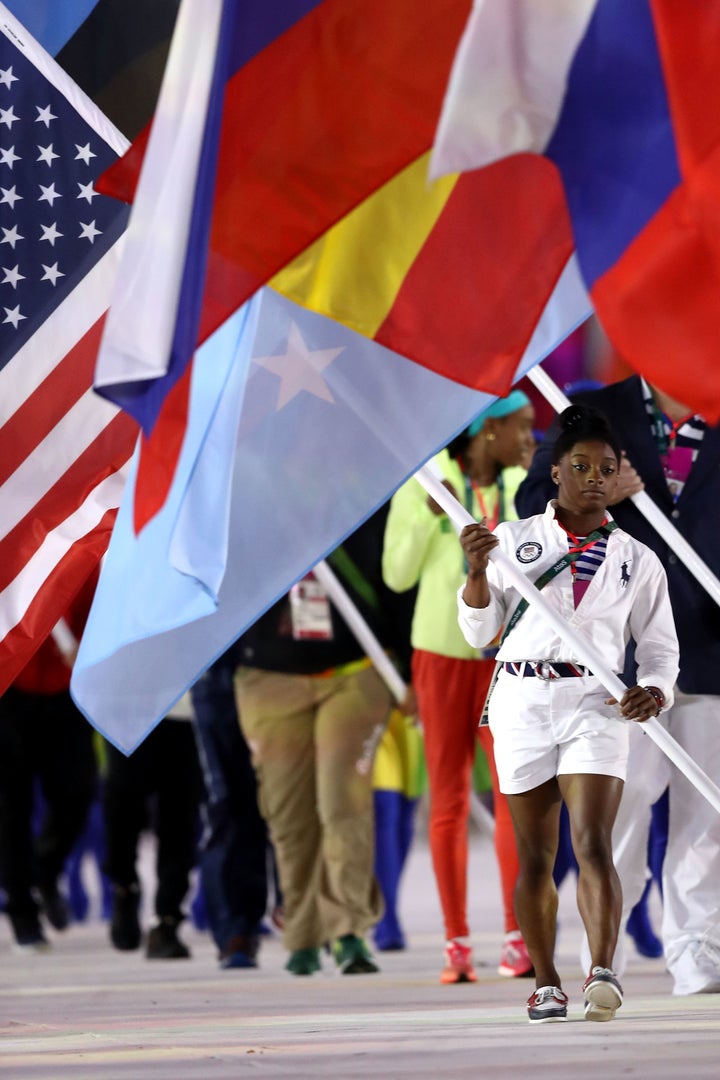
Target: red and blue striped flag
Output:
[(623, 99)]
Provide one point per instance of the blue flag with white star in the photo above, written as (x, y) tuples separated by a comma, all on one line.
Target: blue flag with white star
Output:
[(298, 429)]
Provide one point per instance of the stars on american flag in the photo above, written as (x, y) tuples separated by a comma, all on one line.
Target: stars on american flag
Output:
[(87, 192), (49, 194), (44, 116), (84, 153), (14, 317), (47, 154), (50, 233), (6, 77), (88, 231), (9, 157), (8, 117), (11, 236), (51, 274), (9, 196), (50, 158), (12, 276)]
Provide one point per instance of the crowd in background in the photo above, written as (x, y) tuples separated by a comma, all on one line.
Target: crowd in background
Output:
[(289, 777)]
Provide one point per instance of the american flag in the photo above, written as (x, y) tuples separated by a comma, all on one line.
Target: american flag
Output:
[(62, 448)]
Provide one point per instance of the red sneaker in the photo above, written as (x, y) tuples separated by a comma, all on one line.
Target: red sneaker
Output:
[(515, 960), (458, 964)]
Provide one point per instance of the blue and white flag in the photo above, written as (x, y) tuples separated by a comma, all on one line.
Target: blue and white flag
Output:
[(324, 428)]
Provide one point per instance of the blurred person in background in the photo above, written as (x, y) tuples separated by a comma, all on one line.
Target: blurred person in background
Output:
[(482, 468), (234, 853), (46, 748), (157, 788), (312, 708)]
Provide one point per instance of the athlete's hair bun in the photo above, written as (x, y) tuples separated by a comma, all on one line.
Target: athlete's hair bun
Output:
[(574, 417), (583, 423)]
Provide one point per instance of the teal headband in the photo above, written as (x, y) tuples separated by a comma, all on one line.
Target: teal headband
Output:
[(515, 400)]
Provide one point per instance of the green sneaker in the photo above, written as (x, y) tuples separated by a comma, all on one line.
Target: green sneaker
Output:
[(303, 962), (352, 956)]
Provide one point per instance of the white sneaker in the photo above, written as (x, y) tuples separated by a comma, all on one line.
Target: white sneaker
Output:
[(547, 1005), (603, 994)]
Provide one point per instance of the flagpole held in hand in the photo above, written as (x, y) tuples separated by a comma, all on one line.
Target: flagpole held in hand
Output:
[(584, 650)]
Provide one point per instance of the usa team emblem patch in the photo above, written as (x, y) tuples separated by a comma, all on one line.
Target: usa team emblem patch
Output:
[(529, 551)]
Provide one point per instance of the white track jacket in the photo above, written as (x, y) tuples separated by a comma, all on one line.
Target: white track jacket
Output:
[(627, 597)]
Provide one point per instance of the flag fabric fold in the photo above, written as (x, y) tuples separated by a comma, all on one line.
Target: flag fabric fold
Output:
[(322, 102), (328, 103), (626, 110), (63, 451), (508, 81), (453, 275), (150, 331), (418, 304), (330, 423)]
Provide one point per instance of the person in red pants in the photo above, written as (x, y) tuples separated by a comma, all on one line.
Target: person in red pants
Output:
[(482, 468)]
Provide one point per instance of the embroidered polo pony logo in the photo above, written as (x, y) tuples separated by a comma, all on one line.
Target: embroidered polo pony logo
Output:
[(624, 576)]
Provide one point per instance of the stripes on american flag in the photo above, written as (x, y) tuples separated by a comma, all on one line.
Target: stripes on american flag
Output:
[(63, 450)]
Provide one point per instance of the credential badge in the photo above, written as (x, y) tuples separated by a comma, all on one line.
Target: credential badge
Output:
[(529, 552)]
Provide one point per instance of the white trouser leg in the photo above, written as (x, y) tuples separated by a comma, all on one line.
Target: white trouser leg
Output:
[(691, 873)]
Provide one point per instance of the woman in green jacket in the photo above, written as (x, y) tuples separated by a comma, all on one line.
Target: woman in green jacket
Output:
[(483, 468)]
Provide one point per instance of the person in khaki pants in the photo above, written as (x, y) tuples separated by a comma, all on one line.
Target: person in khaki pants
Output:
[(312, 709)]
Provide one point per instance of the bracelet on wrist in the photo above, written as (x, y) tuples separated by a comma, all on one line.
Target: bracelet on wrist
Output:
[(658, 696)]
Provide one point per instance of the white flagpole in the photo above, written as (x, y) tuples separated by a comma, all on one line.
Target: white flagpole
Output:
[(373, 649), (386, 669), (580, 645), (65, 640), (552, 393)]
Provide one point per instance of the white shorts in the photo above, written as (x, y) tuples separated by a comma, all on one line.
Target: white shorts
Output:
[(557, 727)]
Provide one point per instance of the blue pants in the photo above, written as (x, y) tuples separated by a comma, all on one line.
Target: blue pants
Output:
[(234, 848)]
